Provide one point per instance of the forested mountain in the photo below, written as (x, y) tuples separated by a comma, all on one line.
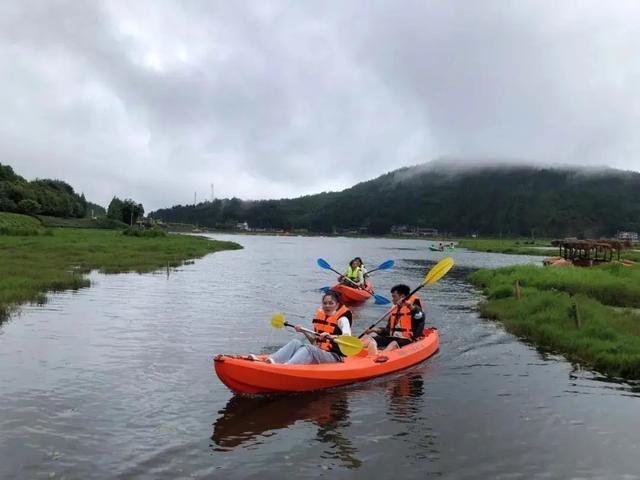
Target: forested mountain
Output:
[(454, 198), (41, 196)]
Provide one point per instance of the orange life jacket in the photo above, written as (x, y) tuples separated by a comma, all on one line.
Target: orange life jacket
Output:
[(400, 319), (322, 323)]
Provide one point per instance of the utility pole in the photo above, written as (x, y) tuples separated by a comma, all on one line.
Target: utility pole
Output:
[(195, 196), (212, 197)]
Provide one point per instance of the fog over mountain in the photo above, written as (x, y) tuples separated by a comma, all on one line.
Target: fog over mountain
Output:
[(269, 99)]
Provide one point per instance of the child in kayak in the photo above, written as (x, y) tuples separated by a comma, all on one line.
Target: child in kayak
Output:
[(331, 320), (355, 274), (405, 325)]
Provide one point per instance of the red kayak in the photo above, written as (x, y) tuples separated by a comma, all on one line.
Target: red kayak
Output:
[(251, 377), (354, 295)]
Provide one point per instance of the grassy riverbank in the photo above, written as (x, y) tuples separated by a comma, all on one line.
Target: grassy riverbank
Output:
[(31, 266), (588, 314), (516, 247)]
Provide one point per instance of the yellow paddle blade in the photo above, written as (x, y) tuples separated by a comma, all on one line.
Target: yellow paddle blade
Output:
[(438, 271), (277, 321), (349, 345)]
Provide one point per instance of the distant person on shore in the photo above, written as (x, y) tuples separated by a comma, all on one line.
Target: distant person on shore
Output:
[(331, 320), (405, 325), (355, 274)]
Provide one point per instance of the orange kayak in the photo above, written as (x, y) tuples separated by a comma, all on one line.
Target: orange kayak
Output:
[(354, 295), (251, 377)]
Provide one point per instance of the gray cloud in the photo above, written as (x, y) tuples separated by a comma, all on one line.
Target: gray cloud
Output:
[(156, 100)]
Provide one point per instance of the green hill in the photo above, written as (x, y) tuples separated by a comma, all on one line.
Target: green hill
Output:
[(41, 196), (451, 197), (16, 224)]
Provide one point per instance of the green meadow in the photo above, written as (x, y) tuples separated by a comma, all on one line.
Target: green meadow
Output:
[(591, 315), (35, 261)]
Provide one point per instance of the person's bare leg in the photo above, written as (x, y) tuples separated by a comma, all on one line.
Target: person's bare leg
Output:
[(372, 347), (392, 346)]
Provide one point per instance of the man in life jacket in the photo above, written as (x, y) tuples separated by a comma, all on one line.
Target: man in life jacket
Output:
[(331, 320), (355, 274), (405, 325)]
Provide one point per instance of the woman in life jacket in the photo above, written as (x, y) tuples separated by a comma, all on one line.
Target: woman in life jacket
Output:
[(405, 324), (331, 320), (355, 274)]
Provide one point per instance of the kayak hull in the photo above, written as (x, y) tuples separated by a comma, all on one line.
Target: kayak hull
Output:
[(353, 295), (251, 377)]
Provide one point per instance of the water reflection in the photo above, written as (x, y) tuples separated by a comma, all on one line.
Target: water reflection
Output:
[(246, 419), (405, 396), (249, 421)]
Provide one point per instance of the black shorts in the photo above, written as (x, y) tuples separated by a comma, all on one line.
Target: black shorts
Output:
[(383, 342)]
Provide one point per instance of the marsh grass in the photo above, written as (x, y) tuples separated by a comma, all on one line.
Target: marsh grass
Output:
[(604, 334), (19, 225), (515, 247), (31, 266), (610, 284)]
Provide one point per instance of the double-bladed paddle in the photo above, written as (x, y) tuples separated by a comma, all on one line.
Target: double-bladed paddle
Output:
[(438, 271), (347, 344), (383, 266)]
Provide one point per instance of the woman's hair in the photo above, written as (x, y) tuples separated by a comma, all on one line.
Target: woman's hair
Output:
[(356, 259), (332, 294)]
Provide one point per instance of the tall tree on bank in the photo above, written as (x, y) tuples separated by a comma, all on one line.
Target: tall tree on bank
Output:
[(114, 210), (126, 211), (131, 211)]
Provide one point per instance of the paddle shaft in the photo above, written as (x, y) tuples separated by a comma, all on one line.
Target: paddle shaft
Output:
[(287, 324), (345, 277), (383, 266), (415, 290)]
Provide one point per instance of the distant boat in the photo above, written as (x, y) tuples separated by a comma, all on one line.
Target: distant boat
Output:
[(440, 248)]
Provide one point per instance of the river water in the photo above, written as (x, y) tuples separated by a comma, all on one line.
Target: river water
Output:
[(116, 381)]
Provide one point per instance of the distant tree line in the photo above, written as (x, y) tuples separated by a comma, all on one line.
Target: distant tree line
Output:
[(58, 199), (491, 201), (43, 196)]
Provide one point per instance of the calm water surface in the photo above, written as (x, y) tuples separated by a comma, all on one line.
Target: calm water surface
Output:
[(116, 381)]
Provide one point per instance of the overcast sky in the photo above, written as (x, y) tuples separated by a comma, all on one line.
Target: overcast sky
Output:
[(157, 100)]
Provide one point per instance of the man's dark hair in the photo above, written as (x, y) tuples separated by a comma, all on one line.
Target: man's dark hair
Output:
[(401, 289)]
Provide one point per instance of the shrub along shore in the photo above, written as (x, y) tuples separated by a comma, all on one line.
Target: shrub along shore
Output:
[(32, 265), (591, 315)]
